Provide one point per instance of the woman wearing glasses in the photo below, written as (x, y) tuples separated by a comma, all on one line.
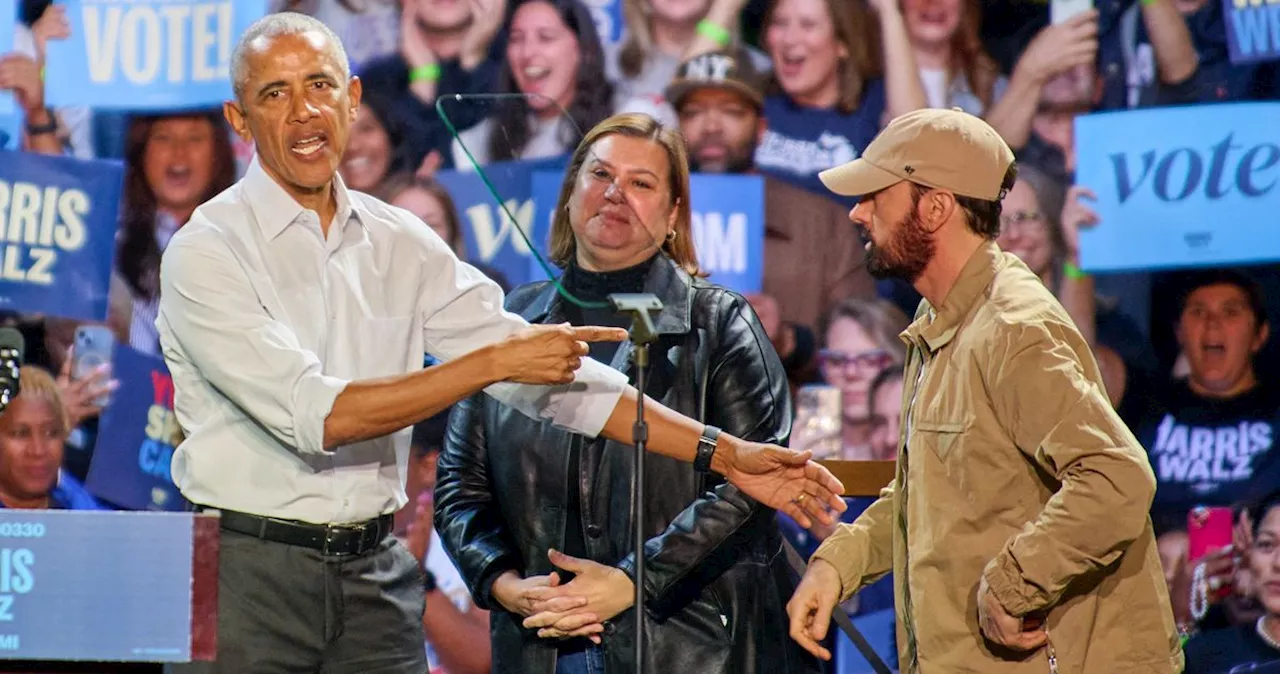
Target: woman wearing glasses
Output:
[(861, 338)]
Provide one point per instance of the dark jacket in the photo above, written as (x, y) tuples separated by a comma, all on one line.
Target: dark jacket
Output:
[(716, 579)]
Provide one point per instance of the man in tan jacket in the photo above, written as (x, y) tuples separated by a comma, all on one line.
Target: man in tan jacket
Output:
[(1017, 527)]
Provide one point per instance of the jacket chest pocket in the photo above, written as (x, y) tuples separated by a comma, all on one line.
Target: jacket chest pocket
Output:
[(943, 438)]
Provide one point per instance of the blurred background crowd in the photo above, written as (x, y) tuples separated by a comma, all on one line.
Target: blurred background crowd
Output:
[(1186, 354)]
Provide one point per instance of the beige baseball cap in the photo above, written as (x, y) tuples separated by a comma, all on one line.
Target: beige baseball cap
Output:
[(943, 149)]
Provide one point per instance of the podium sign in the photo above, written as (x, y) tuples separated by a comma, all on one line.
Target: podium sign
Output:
[(108, 586)]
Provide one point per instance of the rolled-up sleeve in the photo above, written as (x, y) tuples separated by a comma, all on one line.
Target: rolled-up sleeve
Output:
[(210, 316), (465, 313)]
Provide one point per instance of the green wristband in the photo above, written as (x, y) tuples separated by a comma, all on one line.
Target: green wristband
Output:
[(1147, 3), (1073, 272), (719, 34), (427, 73)]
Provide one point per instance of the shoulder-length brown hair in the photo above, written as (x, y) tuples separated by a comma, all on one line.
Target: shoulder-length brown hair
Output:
[(970, 58), (680, 249), (137, 253), (858, 31)]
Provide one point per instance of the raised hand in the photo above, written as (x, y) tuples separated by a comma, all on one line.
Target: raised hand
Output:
[(787, 480), (486, 19), (1061, 47), (80, 396), (21, 74), (550, 354), (1076, 216)]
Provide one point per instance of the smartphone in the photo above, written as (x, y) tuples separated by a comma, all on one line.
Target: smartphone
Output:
[(93, 347), (818, 421), (1208, 529), (1062, 10)]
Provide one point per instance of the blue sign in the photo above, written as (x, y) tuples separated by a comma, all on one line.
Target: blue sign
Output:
[(11, 130), (95, 585), (58, 220), (1253, 30), (609, 19), (1180, 187), (137, 434), (492, 238), (147, 54)]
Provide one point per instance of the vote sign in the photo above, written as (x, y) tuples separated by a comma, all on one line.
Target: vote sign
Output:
[(150, 55), (1253, 29), (1180, 187)]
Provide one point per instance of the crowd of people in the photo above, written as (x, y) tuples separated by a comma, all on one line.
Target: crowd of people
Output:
[(783, 89)]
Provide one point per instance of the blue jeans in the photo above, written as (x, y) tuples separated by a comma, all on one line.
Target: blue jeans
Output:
[(574, 660)]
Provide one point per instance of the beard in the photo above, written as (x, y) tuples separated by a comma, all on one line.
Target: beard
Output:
[(736, 159), (906, 254)]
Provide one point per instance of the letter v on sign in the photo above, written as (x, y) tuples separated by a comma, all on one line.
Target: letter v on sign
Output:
[(489, 239)]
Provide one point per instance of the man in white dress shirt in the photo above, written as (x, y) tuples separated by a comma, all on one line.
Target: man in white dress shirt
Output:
[(294, 315)]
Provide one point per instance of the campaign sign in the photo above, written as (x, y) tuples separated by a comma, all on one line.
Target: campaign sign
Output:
[(1253, 29), (58, 220), (137, 434), (1180, 187), (147, 54), (492, 230), (8, 19), (101, 586)]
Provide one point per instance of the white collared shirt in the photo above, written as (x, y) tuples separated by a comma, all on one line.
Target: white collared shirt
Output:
[(263, 322)]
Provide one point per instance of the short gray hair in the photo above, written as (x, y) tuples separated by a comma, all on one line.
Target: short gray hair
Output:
[(275, 25)]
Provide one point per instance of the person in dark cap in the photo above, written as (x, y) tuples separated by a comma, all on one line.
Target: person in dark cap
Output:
[(812, 257)]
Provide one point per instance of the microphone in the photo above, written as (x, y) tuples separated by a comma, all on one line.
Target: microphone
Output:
[(12, 348)]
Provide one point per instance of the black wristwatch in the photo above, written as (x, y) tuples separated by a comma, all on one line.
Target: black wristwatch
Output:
[(706, 447), (428, 582), (42, 129)]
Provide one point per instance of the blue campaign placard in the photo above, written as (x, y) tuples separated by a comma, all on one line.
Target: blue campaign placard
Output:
[(147, 54), (11, 131), (59, 217), (492, 238), (728, 229), (8, 21), (1180, 187), (1253, 30), (609, 19), (137, 434), (98, 586)]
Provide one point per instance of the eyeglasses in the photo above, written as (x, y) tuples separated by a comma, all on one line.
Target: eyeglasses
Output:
[(1022, 220), (875, 360)]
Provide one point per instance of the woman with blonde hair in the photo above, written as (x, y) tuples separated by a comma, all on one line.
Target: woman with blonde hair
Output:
[(33, 430), (522, 507)]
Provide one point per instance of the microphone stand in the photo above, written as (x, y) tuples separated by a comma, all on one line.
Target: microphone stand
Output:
[(640, 306)]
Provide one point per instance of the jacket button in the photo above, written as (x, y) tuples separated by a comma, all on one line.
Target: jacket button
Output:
[(594, 530)]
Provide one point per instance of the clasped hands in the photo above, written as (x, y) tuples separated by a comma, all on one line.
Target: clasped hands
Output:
[(578, 608)]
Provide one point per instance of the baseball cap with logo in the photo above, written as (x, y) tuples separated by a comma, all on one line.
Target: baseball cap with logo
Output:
[(943, 149), (727, 69)]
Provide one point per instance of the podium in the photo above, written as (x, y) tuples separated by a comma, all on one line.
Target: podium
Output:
[(862, 478), (107, 587)]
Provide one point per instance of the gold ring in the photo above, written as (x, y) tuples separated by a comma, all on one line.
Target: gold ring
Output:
[(800, 499)]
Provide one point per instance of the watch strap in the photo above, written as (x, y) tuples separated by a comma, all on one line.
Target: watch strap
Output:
[(706, 448), (41, 129), (428, 581)]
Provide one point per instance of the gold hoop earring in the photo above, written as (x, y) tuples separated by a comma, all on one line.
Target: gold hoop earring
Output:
[(671, 236)]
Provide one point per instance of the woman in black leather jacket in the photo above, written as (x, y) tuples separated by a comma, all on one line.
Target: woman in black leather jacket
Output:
[(512, 490)]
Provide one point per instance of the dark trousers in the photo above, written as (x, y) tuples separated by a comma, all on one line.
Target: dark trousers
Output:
[(285, 609)]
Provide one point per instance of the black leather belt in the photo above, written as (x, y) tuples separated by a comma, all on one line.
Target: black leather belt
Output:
[(330, 539)]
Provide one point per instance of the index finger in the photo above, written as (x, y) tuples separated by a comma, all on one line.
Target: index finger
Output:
[(829, 488), (594, 333)]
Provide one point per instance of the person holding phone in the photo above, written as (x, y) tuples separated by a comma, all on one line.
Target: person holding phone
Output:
[(1210, 436), (1017, 527), (294, 317)]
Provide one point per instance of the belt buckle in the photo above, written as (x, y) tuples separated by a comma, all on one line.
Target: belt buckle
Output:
[(330, 537)]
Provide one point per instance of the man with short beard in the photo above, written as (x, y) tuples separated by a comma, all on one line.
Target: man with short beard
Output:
[(1017, 527), (811, 257)]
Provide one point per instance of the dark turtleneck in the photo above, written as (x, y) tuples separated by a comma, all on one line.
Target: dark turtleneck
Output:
[(593, 286)]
